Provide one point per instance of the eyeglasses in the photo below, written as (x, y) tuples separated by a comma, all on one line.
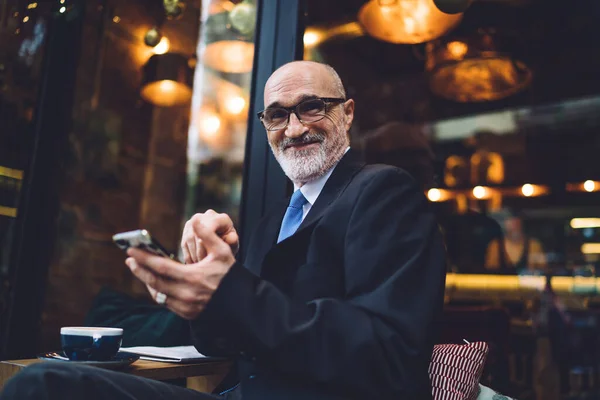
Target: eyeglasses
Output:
[(307, 111)]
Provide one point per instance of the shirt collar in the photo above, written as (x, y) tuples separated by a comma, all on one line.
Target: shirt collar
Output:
[(312, 189)]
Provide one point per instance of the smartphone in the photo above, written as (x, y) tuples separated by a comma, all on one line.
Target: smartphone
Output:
[(141, 239)]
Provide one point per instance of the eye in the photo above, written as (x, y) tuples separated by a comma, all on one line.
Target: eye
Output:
[(311, 107), (275, 114)]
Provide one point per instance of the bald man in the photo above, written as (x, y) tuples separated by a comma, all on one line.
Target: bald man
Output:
[(339, 291)]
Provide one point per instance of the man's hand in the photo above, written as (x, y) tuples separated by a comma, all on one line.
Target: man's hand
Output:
[(188, 287), (221, 224)]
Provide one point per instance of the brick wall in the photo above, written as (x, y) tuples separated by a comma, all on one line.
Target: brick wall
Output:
[(125, 169)]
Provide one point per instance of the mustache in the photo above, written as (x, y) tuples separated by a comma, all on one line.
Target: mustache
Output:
[(306, 138)]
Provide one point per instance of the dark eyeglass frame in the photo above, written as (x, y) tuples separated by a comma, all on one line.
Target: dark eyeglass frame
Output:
[(294, 109)]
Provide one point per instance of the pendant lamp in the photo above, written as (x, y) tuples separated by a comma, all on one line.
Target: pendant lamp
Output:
[(476, 69), (167, 80), (406, 21)]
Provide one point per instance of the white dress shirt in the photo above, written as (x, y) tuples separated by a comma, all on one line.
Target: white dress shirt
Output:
[(311, 190)]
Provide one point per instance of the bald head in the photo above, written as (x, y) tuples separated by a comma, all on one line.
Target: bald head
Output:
[(308, 74)]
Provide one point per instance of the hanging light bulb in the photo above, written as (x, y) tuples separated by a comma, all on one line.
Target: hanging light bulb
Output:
[(173, 8), (405, 21), (243, 17), (152, 37), (163, 46)]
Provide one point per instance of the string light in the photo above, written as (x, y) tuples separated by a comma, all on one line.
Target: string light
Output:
[(26, 18), (589, 186), (434, 194), (62, 10), (527, 190), (480, 192), (116, 19)]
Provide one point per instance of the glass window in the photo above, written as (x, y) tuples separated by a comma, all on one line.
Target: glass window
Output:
[(220, 103), (494, 111), (22, 40), (157, 133)]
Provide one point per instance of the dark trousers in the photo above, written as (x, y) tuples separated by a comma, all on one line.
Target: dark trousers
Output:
[(63, 381)]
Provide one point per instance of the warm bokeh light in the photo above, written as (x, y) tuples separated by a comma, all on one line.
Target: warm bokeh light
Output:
[(582, 223), (26, 18), (590, 248), (311, 37), (162, 47), (209, 126), (212, 128), (235, 105), (457, 49), (116, 19), (166, 93), (167, 86), (528, 190), (434, 194), (31, 6), (480, 192), (589, 186), (232, 56)]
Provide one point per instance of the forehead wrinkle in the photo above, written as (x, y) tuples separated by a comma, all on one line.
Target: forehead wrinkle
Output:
[(291, 89)]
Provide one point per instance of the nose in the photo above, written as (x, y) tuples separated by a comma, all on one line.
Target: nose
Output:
[(295, 128)]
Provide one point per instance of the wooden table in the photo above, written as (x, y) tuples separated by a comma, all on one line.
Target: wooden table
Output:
[(200, 376)]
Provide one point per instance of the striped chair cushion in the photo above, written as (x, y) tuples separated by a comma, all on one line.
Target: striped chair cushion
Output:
[(455, 370)]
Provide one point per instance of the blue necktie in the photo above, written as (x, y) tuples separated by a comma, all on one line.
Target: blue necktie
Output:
[(293, 216)]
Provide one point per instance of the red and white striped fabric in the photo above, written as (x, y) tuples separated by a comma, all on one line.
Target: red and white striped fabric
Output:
[(455, 370)]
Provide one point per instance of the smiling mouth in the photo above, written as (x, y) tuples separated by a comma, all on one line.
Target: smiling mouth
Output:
[(301, 145)]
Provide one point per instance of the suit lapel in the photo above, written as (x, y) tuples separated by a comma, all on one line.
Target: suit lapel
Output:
[(269, 235), (348, 166)]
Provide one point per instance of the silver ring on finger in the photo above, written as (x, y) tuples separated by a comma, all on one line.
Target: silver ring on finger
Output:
[(160, 298)]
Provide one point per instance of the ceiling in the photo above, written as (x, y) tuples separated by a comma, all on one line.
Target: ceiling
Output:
[(557, 39)]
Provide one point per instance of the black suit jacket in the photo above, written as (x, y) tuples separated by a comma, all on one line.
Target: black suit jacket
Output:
[(342, 309)]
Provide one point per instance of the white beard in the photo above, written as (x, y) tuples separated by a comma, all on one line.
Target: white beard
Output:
[(302, 166)]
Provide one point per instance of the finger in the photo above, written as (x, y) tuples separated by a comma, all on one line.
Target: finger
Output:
[(153, 282), (186, 310), (188, 242), (233, 240), (186, 233), (187, 258), (152, 291), (200, 250), (184, 246), (210, 240), (162, 267), (221, 224), (191, 244)]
